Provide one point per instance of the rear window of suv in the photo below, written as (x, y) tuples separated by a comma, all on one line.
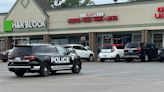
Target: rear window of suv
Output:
[(106, 47), (21, 50), (132, 45)]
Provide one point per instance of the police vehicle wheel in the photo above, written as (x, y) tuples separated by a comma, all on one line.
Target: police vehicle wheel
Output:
[(19, 73), (44, 70), (102, 60), (91, 58), (117, 58), (76, 67)]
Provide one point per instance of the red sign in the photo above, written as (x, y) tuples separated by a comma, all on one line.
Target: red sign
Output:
[(97, 17), (160, 13)]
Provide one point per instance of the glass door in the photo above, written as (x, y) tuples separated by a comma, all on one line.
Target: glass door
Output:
[(158, 40)]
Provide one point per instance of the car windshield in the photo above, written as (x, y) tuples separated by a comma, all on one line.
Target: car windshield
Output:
[(106, 47), (132, 45)]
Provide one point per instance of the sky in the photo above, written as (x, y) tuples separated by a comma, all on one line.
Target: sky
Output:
[(5, 5)]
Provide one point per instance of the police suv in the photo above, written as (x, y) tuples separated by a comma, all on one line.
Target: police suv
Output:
[(42, 58)]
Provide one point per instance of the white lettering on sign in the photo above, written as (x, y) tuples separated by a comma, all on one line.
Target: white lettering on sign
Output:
[(31, 24), (91, 14), (60, 60)]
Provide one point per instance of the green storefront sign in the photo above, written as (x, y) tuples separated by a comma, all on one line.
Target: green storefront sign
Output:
[(8, 26)]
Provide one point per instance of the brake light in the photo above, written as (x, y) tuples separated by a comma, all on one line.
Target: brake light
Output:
[(30, 58), (138, 49)]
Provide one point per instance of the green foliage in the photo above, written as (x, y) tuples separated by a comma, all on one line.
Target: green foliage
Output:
[(70, 3)]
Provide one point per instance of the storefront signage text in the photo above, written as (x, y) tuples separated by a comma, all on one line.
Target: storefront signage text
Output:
[(31, 24), (92, 17), (9, 25), (160, 13)]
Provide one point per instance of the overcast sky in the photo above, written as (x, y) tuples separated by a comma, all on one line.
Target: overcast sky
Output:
[(5, 5)]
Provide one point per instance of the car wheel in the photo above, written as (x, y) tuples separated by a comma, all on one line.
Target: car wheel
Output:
[(44, 69), (128, 60), (91, 58), (102, 60), (19, 73), (117, 58), (76, 67), (5, 60), (161, 60)]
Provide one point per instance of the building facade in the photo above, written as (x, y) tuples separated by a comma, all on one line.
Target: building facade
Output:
[(29, 22)]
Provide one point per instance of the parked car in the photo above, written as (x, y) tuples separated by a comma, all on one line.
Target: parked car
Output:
[(143, 51), (4, 55), (161, 55), (81, 51), (43, 59), (113, 51)]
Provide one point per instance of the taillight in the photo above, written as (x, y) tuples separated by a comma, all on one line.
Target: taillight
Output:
[(31, 58), (138, 49)]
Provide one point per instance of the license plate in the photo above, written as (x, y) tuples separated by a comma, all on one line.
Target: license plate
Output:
[(17, 58), (130, 51)]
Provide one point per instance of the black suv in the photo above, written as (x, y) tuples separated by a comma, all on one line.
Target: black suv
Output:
[(143, 51), (42, 58)]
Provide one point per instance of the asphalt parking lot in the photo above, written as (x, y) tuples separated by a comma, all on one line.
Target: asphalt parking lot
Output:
[(94, 77)]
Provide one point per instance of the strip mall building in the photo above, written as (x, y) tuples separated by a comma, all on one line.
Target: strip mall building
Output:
[(29, 22)]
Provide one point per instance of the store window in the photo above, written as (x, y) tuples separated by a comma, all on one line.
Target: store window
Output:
[(20, 40), (158, 40), (60, 41), (36, 39), (136, 38)]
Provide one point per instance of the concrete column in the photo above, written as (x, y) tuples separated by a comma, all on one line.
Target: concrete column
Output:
[(143, 36), (8, 43), (47, 38), (92, 42), (146, 36)]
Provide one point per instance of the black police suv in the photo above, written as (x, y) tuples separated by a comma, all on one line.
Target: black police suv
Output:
[(42, 58), (143, 51)]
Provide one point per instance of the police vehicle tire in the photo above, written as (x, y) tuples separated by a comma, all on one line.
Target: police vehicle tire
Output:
[(19, 73), (91, 58), (102, 60), (76, 67), (117, 58), (44, 69)]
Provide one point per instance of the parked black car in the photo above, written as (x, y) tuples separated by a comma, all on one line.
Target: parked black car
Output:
[(161, 55), (42, 58), (143, 51)]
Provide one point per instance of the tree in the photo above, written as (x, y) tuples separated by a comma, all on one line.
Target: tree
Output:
[(70, 3)]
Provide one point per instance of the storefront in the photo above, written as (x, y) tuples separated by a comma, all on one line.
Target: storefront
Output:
[(29, 22)]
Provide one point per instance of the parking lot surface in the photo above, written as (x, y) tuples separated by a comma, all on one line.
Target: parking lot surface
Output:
[(94, 77)]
